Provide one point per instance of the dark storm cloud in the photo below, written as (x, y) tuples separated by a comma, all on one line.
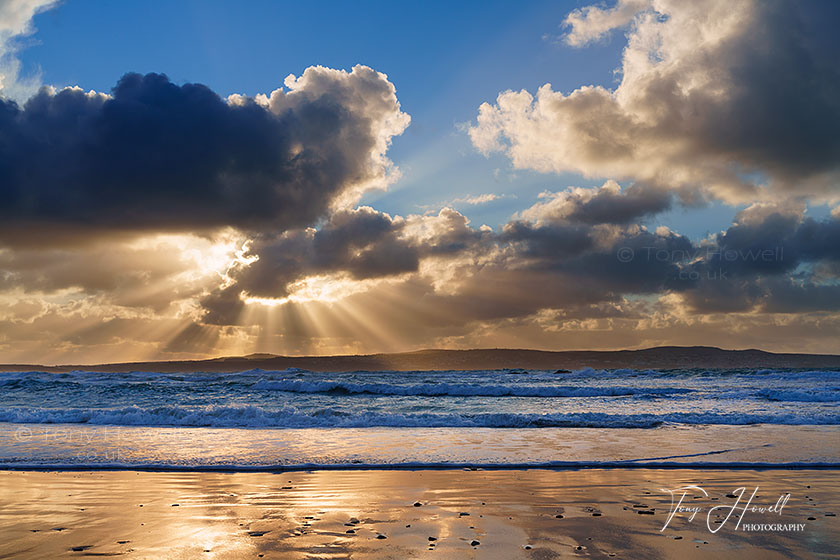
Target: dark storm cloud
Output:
[(222, 306), (772, 262), (524, 268), (634, 203), (159, 156), (778, 243), (362, 243), (626, 263), (791, 295), (550, 241)]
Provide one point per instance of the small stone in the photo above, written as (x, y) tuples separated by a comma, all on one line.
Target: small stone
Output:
[(812, 519), (463, 514), (417, 504), (256, 533), (350, 531), (432, 538), (559, 516), (596, 514), (381, 536), (176, 505), (475, 543)]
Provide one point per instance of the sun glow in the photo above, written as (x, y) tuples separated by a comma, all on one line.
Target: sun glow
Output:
[(322, 288)]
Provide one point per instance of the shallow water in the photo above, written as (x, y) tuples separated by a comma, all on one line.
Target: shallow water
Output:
[(294, 417)]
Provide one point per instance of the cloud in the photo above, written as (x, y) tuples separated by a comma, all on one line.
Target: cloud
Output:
[(162, 220), (547, 281), (578, 249), (740, 101), (590, 23), (156, 156), (353, 245), (608, 204), (479, 199), (15, 23)]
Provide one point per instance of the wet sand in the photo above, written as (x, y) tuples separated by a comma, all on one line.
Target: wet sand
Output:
[(505, 514)]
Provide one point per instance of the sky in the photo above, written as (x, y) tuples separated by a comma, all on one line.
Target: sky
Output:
[(193, 179)]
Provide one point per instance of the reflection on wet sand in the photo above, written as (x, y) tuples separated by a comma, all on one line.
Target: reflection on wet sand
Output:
[(402, 514)]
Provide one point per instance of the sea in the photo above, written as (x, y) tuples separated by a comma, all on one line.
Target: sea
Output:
[(297, 419)]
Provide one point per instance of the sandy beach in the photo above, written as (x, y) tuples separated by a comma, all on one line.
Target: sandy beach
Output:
[(540, 514)]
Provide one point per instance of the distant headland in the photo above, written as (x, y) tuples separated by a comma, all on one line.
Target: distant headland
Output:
[(662, 357)]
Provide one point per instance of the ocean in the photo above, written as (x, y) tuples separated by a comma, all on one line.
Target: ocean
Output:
[(475, 419)]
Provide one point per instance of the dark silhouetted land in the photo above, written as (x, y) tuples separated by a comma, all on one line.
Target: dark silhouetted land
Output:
[(662, 357)]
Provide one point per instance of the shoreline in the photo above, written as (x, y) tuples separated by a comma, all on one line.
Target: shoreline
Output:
[(420, 467), (400, 513), (83, 447)]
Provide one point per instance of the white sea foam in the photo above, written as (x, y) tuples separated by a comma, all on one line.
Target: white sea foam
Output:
[(459, 389), (290, 417)]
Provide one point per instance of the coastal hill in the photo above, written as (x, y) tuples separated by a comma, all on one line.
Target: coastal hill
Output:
[(662, 357)]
